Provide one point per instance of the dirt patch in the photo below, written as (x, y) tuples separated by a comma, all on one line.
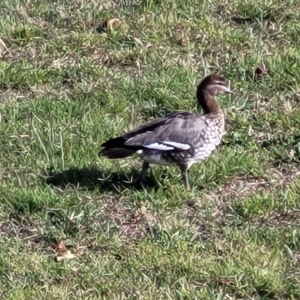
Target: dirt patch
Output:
[(21, 229), (242, 187), (132, 224), (282, 218)]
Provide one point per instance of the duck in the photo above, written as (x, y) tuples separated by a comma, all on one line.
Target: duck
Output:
[(178, 139)]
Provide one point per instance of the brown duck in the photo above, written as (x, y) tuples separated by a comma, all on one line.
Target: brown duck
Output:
[(180, 138)]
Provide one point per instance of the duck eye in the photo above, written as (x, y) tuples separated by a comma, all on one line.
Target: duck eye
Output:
[(220, 82)]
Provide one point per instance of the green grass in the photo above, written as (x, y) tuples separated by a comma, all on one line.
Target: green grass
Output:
[(65, 87)]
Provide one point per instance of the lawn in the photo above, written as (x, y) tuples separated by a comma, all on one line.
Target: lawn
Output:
[(73, 225)]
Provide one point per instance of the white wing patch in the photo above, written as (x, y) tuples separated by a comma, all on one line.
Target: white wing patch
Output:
[(167, 145), (177, 145), (159, 146)]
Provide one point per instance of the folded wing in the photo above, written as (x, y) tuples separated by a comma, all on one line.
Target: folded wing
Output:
[(176, 134)]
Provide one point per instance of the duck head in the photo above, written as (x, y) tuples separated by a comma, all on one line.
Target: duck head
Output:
[(210, 87)]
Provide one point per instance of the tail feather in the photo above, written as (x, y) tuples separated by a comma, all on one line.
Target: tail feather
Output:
[(114, 153), (115, 148), (117, 142)]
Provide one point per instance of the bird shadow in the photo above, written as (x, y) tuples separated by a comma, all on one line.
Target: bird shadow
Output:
[(91, 178)]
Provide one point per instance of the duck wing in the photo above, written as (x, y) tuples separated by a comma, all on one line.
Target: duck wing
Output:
[(146, 128), (179, 133)]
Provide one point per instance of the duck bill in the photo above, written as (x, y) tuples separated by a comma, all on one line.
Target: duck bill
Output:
[(228, 90)]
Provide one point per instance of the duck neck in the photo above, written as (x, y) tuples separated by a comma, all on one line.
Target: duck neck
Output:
[(208, 103)]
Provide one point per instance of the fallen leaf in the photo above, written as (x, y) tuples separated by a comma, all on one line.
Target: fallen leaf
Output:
[(60, 247), (113, 23), (64, 255), (108, 24)]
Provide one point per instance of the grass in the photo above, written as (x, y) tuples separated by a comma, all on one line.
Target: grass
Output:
[(67, 84)]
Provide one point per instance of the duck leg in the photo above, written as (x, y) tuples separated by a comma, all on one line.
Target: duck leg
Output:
[(184, 175), (144, 171)]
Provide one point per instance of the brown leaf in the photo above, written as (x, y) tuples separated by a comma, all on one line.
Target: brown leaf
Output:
[(113, 23), (108, 24), (60, 247)]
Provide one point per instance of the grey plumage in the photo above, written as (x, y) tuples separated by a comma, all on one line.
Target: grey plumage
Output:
[(180, 138)]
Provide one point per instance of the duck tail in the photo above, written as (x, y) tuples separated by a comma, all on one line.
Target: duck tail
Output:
[(114, 153), (114, 148)]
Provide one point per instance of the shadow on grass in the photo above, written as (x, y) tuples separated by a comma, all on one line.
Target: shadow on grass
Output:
[(91, 178)]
